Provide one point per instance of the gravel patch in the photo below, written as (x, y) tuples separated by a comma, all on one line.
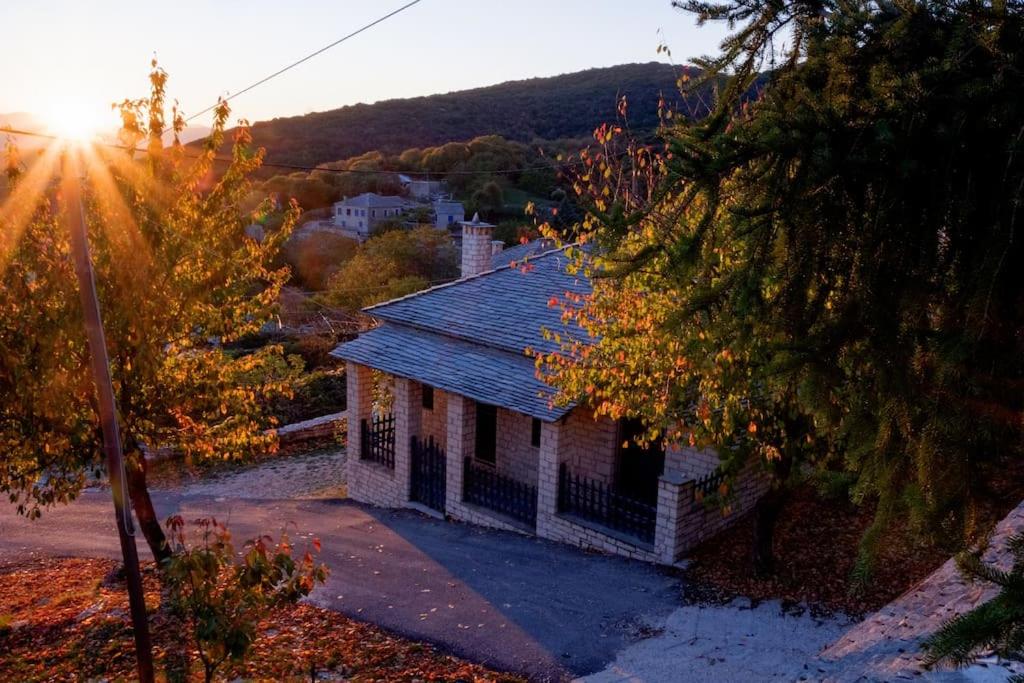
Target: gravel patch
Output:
[(310, 476), (733, 642)]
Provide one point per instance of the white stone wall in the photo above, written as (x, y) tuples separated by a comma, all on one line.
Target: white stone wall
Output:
[(556, 442), (696, 521), (368, 482), (586, 445), (590, 445), (516, 457), (476, 249), (689, 462), (435, 422)]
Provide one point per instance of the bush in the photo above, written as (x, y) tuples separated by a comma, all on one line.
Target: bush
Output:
[(315, 394), (315, 257), (222, 599)]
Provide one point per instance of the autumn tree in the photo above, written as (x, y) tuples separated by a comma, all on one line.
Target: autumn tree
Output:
[(223, 598), (177, 279), (390, 265), (824, 271)]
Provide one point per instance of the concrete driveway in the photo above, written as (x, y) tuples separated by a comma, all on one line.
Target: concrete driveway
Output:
[(511, 602)]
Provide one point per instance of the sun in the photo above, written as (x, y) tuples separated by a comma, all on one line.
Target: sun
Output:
[(76, 119)]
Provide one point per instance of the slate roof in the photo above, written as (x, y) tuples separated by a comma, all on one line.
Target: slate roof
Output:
[(448, 206), (505, 308), (520, 252), (478, 372), (369, 200), (469, 337)]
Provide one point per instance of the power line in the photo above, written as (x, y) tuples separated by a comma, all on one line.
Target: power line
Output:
[(305, 59), (310, 169)]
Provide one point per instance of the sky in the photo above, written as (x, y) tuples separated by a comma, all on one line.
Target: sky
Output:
[(85, 54)]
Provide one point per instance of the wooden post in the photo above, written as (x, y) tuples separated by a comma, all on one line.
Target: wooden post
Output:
[(72, 194)]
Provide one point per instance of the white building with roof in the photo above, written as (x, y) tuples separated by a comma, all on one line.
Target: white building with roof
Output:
[(448, 213), (358, 215)]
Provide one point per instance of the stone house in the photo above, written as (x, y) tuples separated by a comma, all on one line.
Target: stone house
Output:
[(358, 215), (448, 213), (472, 433)]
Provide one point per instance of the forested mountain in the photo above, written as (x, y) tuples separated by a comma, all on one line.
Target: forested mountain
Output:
[(567, 106)]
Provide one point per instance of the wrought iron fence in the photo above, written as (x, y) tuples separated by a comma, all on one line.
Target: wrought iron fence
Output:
[(487, 488), (378, 440), (427, 483), (597, 502), (707, 485)]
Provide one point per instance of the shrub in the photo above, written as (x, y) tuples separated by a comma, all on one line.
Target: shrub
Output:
[(222, 599)]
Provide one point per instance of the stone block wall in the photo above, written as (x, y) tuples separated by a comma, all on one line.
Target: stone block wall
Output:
[(587, 445), (590, 445), (698, 521), (461, 428), (435, 422), (558, 444), (690, 462), (517, 457), (368, 482)]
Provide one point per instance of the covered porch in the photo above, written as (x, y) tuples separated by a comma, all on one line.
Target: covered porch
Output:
[(562, 475)]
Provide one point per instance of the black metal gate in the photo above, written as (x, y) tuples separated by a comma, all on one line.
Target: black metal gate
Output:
[(427, 479)]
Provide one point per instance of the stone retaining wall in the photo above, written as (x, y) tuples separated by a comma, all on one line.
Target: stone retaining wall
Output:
[(887, 644)]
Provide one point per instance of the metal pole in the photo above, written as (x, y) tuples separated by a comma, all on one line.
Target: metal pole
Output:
[(100, 363)]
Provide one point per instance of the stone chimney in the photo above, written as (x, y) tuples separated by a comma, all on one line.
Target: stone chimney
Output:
[(476, 246)]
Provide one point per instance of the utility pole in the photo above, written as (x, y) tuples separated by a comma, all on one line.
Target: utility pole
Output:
[(72, 192)]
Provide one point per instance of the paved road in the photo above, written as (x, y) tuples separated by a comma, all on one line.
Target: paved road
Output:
[(508, 601)]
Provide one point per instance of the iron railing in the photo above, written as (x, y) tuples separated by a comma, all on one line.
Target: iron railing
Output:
[(707, 485), (487, 488), (378, 440), (428, 473), (597, 502)]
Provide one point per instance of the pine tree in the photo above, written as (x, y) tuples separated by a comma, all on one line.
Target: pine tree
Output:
[(826, 269), (996, 626)]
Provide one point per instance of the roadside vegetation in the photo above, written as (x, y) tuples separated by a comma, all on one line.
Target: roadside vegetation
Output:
[(66, 619)]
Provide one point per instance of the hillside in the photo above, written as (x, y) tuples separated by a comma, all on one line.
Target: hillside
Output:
[(566, 106)]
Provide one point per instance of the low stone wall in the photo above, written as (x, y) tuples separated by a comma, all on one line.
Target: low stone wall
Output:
[(699, 521), (372, 483), (323, 427), (886, 645), (582, 534)]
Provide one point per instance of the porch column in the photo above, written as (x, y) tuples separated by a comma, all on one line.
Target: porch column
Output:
[(675, 492), (359, 405), (408, 410), (461, 442), (551, 443)]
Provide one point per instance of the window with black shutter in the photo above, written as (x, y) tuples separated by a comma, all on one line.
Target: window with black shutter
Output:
[(535, 433), (486, 433), (428, 398)]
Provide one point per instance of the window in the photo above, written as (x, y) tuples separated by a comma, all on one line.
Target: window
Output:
[(428, 398), (373, 213), (343, 222), (348, 212), (450, 219), (535, 433), (486, 433)]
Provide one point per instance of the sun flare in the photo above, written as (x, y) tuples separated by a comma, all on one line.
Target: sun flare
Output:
[(76, 119)]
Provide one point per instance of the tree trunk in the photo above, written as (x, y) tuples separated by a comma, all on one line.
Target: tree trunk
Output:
[(135, 467), (766, 514)]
